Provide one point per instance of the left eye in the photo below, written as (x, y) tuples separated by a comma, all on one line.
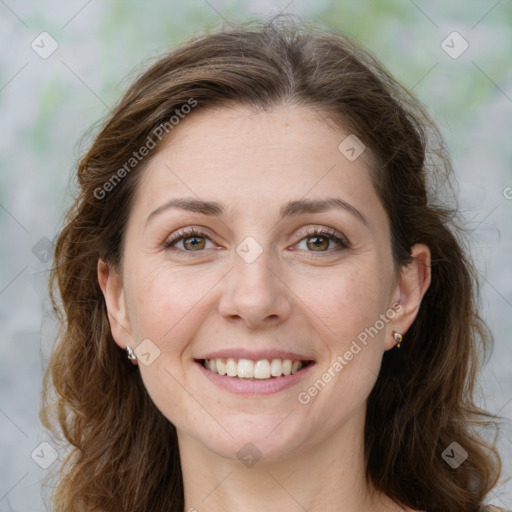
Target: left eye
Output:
[(321, 240)]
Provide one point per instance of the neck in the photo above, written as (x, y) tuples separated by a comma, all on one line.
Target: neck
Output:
[(325, 476)]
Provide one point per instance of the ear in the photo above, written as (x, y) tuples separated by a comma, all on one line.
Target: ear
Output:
[(111, 285), (412, 285)]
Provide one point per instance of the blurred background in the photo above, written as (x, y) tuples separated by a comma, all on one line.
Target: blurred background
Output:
[(64, 64)]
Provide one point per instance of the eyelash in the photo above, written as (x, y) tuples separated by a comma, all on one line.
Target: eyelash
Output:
[(325, 233)]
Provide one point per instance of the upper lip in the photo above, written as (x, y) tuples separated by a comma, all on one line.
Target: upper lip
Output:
[(255, 355)]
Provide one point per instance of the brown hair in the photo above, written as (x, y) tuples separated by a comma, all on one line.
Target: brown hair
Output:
[(124, 451)]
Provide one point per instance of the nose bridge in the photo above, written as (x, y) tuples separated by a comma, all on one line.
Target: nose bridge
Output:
[(252, 266), (254, 290), (252, 273)]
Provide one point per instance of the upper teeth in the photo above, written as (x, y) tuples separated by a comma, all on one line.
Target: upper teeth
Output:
[(248, 369)]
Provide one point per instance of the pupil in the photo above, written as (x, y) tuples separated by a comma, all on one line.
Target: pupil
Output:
[(316, 244), (195, 242)]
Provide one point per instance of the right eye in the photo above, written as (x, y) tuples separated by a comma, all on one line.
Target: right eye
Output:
[(191, 239)]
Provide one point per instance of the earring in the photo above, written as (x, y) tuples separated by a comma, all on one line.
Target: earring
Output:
[(398, 338), (131, 355)]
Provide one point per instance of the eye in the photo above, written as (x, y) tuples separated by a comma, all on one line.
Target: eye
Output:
[(321, 238), (194, 240), (191, 239)]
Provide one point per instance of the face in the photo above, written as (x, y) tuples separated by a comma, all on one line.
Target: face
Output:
[(249, 278)]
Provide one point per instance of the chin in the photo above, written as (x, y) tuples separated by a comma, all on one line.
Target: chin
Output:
[(262, 441)]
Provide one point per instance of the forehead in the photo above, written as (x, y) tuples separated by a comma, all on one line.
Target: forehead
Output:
[(253, 159)]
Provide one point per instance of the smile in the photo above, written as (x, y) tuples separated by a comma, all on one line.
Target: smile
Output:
[(248, 369)]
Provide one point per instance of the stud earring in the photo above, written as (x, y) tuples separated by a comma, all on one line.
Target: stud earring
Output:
[(131, 355), (398, 338)]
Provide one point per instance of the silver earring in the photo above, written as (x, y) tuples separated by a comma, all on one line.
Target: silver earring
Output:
[(398, 338), (131, 355)]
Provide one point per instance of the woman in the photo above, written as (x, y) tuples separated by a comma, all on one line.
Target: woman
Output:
[(263, 306)]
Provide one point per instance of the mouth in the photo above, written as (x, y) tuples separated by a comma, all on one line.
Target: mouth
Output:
[(251, 370)]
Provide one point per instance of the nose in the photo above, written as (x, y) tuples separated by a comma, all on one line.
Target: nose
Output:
[(255, 294)]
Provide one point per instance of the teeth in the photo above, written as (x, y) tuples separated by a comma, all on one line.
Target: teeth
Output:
[(221, 366), (231, 367), (261, 369), (245, 368), (276, 368), (296, 366), (287, 367), (248, 369)]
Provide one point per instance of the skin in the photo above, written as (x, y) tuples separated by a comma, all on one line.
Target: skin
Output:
[(255, 162)]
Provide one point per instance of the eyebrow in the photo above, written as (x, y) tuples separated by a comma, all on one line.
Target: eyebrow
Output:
[(291, 209)]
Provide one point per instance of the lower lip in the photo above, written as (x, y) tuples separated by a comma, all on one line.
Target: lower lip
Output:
[(254, 386)]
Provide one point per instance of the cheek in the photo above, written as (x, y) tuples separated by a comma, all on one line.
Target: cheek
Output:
[(161, 298), (348, 304), (346, 300), (166, 307)]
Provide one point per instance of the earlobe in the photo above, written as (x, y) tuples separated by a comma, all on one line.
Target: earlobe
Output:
[(111, 285), (412, 285)]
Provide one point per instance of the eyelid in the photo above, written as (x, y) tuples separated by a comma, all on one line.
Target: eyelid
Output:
[(319, 230)]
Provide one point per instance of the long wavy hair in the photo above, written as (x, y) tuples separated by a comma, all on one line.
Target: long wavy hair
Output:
[(124, 454)]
